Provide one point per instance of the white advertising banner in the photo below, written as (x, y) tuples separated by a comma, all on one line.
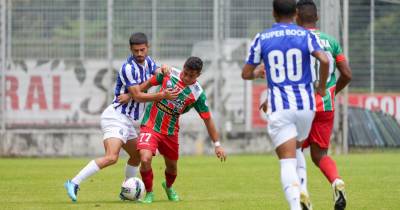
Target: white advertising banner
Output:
[(57, 93)]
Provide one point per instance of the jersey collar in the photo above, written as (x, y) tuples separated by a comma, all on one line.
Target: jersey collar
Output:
[(282, 24), (132, 60)]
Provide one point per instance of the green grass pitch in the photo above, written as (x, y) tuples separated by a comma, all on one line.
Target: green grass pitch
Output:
[(243, 182)]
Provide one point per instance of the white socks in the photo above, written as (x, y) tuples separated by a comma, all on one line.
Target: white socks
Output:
[(90, 169), (130, 171), (301, 170), (290, 182)]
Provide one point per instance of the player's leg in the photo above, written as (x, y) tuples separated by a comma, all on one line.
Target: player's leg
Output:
[(301, 168), (319, 144), (130, 147), (115, 133), (112, 147), (290, 182), (169, 148), (171, 172), (133, 162), (147, 147), (303, 125), (283, 133), (302, 174), (146, 172), (328, 167)]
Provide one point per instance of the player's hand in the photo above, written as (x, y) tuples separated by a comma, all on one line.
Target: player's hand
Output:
[(264, 107), (165, 69), (170, 94), (124, 98), (259, 72), (219, 151), (321, 90)]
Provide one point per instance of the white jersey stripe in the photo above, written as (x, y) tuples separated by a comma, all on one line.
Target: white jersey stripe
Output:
[(291, 97), (304, 96)]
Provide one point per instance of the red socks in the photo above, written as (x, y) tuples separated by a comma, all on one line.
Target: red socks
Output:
[(147, 177), (328, 168), (170, 178)]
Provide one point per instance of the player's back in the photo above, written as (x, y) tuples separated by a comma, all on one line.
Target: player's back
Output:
[(335, 54), (286, 50)]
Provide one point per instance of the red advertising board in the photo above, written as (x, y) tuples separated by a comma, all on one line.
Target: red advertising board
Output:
[(259, 95)]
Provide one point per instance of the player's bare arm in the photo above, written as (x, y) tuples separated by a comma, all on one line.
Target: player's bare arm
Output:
[(324, 71), (345, 75), (264, 106), (124, 98), (212, 131), (138, 94), (250, 72), (259, 72)]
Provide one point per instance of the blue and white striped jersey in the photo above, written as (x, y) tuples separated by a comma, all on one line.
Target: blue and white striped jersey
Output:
[(130, 74), (286, 51)]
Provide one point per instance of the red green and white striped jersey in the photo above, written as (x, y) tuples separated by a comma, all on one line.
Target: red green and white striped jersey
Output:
[(163, 116), (335, 54)]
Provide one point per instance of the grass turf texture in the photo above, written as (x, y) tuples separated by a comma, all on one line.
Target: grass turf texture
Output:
[(243, 182)]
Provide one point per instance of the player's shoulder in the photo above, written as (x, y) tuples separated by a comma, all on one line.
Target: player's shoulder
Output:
[(150, 59), (127, 66), (197, 90), (175, 72), (328, 39)]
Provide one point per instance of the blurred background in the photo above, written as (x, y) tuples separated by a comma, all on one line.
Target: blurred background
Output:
[(59, 58)]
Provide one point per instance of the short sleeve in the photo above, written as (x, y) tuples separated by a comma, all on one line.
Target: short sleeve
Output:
[(128, 76), (156, 79), (254, 55), (313, 42), (337, 51), (152, 65), (202, 107)]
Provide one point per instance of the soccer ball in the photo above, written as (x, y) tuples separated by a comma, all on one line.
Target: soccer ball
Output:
[(133, 189)]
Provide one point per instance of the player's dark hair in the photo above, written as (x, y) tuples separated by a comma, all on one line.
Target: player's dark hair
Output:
[(193, 63), (138, 38), (307, 11), (284, 8)]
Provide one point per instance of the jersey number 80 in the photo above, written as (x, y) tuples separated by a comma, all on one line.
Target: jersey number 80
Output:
[(278, 66)]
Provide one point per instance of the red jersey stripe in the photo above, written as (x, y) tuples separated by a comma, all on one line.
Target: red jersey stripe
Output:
[(164, 126), (319, 102), (153, 115), (153, 81)]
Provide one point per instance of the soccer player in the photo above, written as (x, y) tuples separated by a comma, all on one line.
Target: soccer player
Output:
[(286, 51), (119, 120), (322, 125), (160, 124)]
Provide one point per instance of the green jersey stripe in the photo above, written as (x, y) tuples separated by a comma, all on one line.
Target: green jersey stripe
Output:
[(159, 119)]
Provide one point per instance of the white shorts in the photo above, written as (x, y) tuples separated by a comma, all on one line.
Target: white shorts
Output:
[(289, 124), (118, 125)]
